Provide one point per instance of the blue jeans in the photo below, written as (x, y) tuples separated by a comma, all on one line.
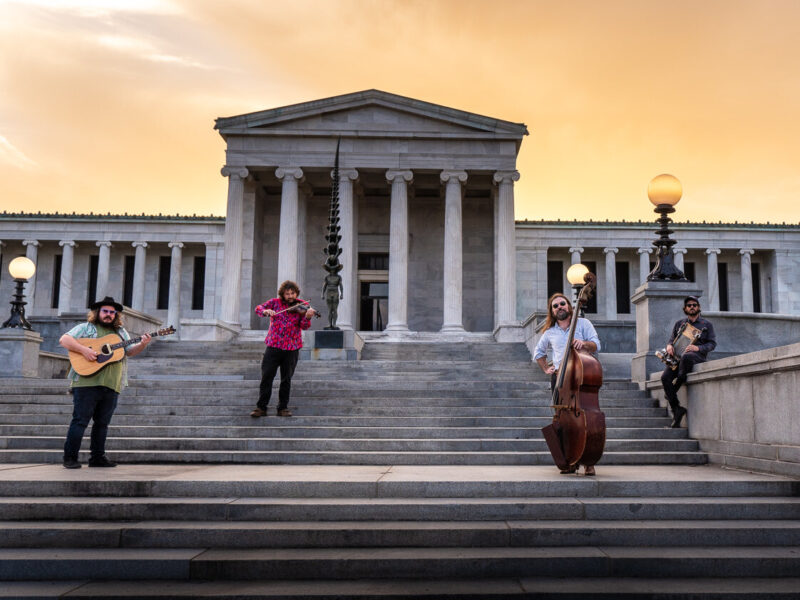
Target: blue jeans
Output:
[(97, 403)]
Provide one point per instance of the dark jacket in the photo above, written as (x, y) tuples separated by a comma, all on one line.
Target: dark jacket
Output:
[(707, 341)]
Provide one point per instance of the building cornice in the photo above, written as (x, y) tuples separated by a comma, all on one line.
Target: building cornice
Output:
[(124, 217), (559, 224)]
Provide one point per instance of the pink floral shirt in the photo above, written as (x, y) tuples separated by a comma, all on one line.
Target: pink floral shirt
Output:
[(285, 329)]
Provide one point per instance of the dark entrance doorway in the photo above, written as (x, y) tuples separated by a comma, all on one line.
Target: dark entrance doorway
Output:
[(373, 306)]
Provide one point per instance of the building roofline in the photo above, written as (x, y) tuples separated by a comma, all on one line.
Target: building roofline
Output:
[(559, 224), (7, 216), (280, 114)]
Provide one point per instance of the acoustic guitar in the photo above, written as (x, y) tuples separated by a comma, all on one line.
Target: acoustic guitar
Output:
[(110, 349)]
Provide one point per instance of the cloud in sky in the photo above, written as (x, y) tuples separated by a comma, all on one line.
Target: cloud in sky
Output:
[(119, 98), (14, 157)]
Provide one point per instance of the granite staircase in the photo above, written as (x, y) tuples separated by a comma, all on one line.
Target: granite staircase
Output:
[(476, 403), (418, 472)]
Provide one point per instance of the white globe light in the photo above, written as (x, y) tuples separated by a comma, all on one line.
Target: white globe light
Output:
[(22, 267), (576, 273)]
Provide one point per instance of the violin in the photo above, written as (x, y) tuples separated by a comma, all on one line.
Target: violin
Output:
[(577, 435), (301, 307)]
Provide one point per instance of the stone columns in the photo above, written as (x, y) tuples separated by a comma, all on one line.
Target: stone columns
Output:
[(174, 303), (398, 251), (349, 246), (139, 264), (575, 253), (65, 285), (232, 270), (644, 263), (611, 283), (713, 279), (678, 257), (505, 249), (747, 279), (211, 294), (103, 266), (32, 252), (288, 246), (453, 258)]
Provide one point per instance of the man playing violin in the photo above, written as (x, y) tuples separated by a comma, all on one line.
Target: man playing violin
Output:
[(694, 353), (289, 316), (555, 337)]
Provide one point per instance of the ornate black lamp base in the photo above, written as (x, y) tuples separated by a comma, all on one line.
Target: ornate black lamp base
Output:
[(665, 269), (17, 318)]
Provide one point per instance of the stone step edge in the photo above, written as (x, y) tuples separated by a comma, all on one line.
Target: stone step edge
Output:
[(606, 588)]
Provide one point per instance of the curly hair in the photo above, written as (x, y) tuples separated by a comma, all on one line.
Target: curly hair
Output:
[(288, 285), (94, 318), (551, 319)]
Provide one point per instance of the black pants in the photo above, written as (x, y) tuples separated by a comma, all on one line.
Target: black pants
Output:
[(275, 358), (685, 366), (98, 404)]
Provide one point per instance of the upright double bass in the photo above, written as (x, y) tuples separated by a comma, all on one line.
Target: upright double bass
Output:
[(577, 435)]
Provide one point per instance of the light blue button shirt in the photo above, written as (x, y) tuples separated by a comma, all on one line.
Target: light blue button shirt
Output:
[(555, 338)]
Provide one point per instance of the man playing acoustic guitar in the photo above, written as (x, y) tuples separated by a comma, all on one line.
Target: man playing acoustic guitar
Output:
[(95, 397)]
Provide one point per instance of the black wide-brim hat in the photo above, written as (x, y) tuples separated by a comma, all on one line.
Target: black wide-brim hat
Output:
[(107, 301)]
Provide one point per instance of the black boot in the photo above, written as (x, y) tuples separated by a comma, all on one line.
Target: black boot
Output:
[(677, 416)]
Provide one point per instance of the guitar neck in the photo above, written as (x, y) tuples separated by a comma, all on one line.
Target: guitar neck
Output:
[(136, 340)]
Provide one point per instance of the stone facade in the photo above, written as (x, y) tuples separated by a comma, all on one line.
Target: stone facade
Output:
[(427, 204)]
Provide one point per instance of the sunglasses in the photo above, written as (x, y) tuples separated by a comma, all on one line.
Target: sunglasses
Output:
[(108, 311), (557, 304), (692, 305)]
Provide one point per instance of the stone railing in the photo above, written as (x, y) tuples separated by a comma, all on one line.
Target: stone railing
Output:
[(744, 410)]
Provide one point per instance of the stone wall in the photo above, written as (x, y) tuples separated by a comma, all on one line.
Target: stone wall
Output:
[(745, 411)]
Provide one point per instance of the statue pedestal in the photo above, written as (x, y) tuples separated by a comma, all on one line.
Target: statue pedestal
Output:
[(658, 305), (330, 344), (19, 353)]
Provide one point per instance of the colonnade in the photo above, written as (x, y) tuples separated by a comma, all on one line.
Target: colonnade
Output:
[(290, 251), (711, 302), (66, 284)]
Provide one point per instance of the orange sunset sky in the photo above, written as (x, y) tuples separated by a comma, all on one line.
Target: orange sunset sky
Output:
[(109, 105)]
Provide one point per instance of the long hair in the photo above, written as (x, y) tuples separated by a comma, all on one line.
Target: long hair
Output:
[(551, 319), (288, 285), (94, 318)]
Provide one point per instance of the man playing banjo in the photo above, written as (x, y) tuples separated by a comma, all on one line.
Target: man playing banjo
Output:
[(697, 352)]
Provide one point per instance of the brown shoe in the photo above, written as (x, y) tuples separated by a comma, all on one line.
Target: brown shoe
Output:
[(258, 413), (284, 412), (588, 471)]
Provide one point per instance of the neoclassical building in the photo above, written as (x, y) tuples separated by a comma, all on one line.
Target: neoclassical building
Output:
[(429, 240)]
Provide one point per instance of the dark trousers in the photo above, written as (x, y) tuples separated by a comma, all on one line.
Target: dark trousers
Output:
[(685, 366), (98, 404), (275, 358)]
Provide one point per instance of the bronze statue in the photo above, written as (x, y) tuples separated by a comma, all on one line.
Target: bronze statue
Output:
[(332, 289)]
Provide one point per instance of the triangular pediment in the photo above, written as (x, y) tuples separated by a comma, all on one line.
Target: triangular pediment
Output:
[(370, 112)]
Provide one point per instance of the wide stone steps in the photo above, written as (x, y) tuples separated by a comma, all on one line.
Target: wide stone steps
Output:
[(310, 409), (363, 531), (411, 562), (396, 534), (541, 588), (348, 444), (268, 428), (321, 510), (356, 457)]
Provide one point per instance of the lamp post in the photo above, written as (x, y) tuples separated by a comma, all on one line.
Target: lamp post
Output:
[(664, 192), (575, 275), (21, 269)]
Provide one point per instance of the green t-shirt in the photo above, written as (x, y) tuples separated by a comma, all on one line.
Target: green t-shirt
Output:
[(109, 376)]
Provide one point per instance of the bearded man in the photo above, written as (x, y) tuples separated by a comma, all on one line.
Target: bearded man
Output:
[(94, 397), (672, 380)]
